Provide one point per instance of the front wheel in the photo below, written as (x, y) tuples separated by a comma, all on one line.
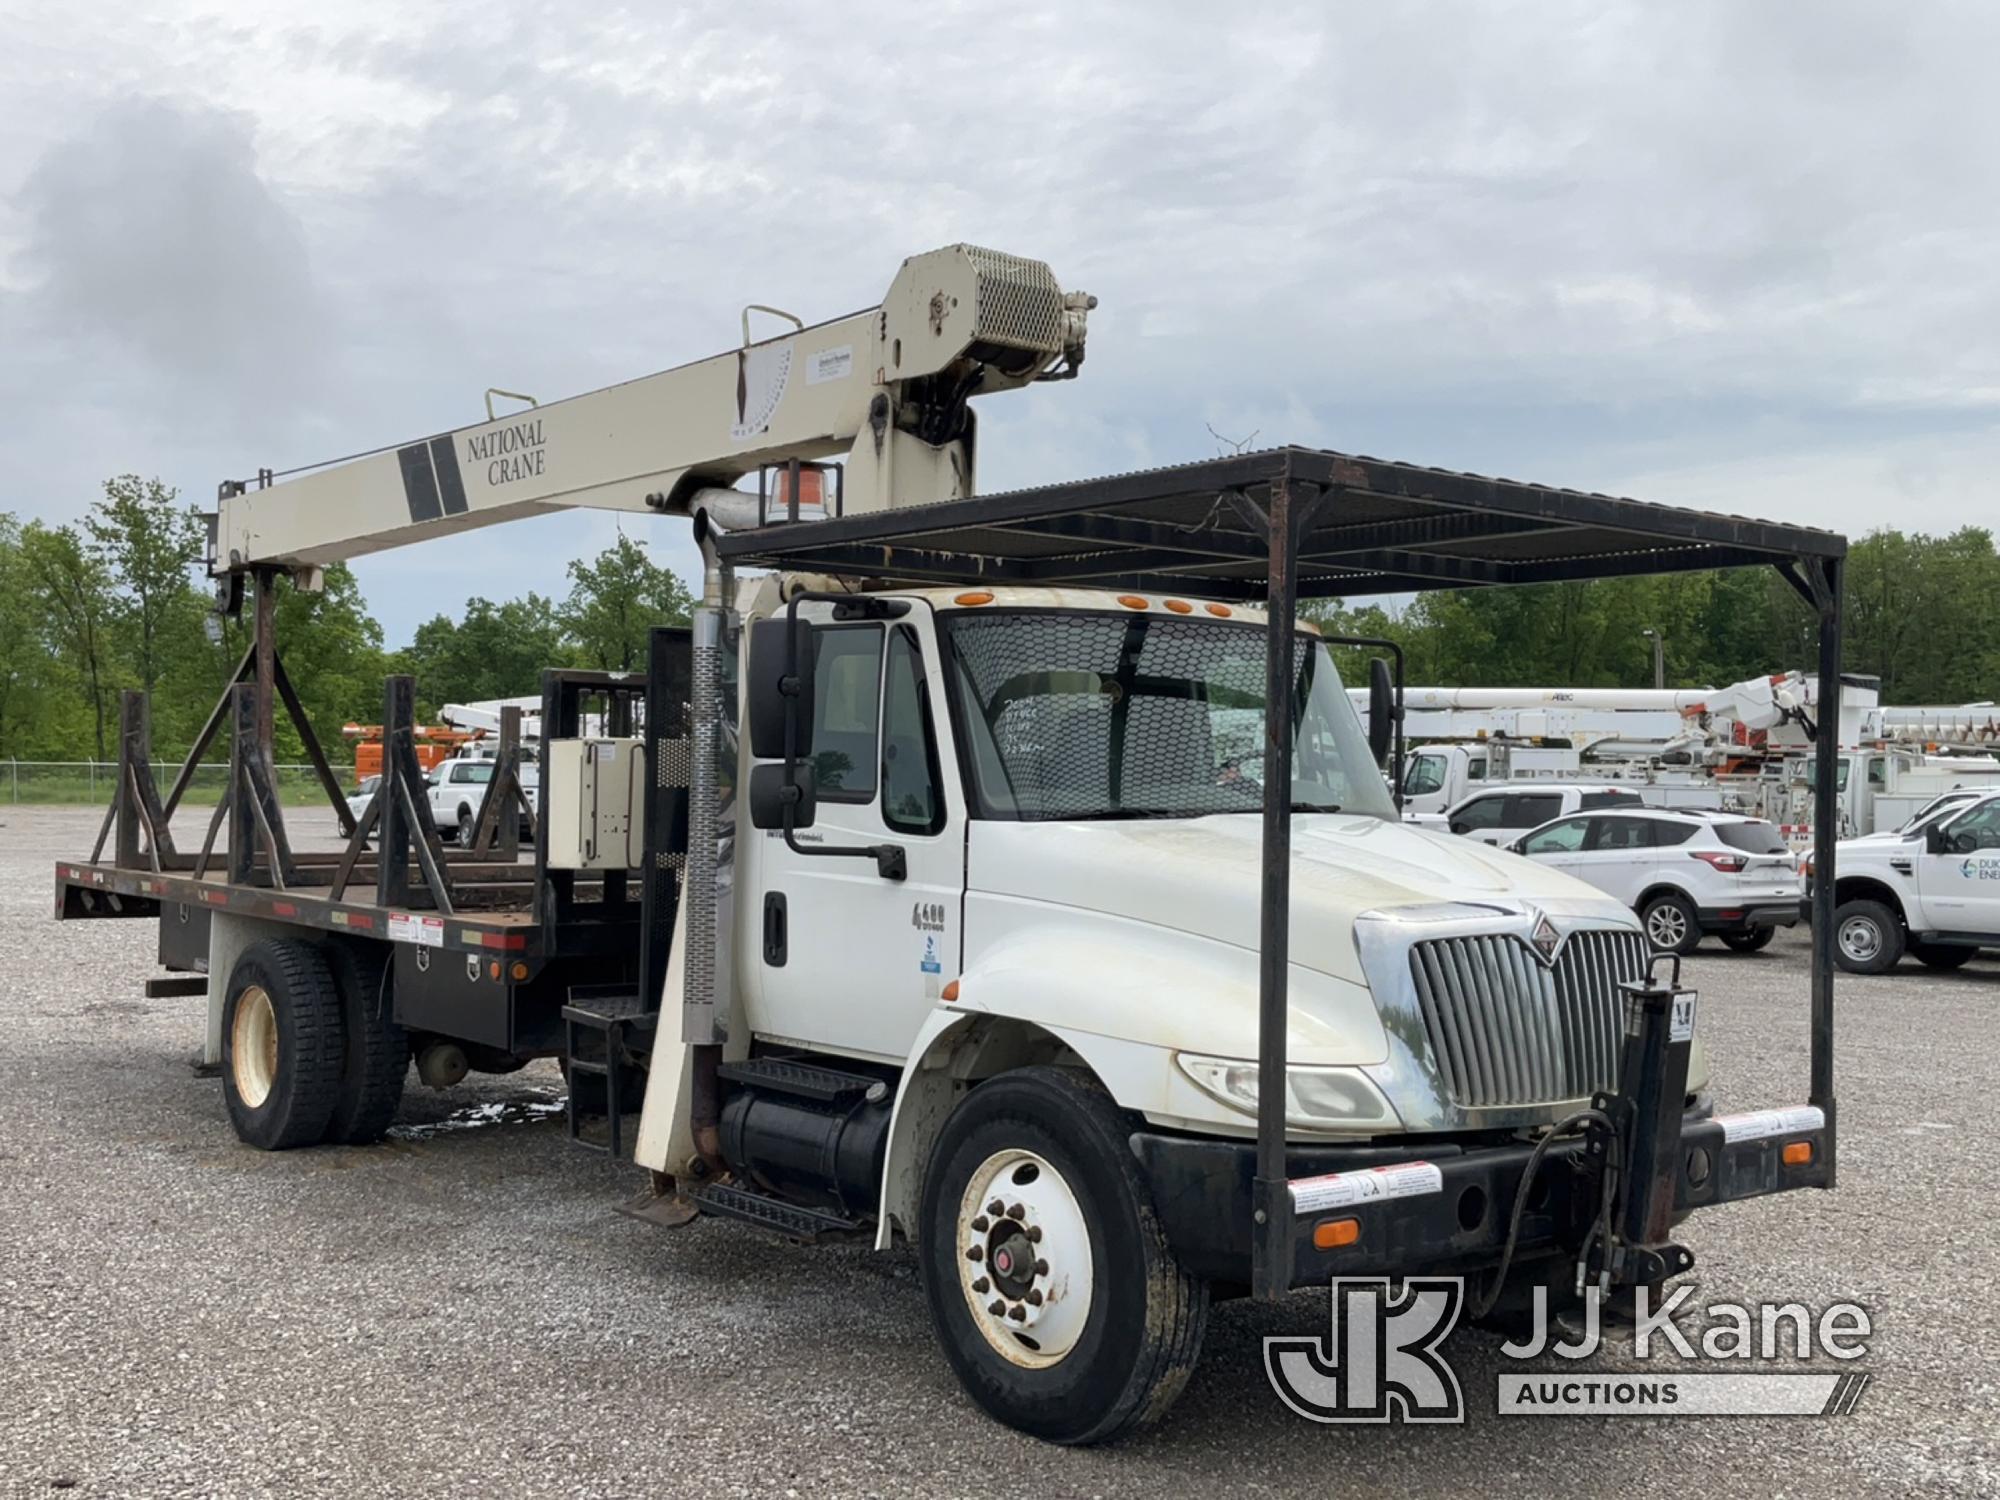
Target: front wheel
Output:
[(1754, 941), (1867, 937), (467, 829), (1051, 1285), (1671, 923)]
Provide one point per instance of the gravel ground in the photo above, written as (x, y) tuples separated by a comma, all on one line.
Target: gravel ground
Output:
[(461, 1310)]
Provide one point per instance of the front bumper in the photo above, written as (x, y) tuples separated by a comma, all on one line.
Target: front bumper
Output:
[(1202, 1193)]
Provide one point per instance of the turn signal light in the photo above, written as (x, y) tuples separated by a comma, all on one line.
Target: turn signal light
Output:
[(1798, 1154), (1331, 1234), (950, 991)]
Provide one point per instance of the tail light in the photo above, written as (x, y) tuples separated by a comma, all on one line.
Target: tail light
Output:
[(1729, 864)]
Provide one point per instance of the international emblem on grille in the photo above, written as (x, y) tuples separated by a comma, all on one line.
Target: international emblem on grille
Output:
[(1546, 939)]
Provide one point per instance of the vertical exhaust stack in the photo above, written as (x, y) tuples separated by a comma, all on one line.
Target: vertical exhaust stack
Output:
[(706, 982)]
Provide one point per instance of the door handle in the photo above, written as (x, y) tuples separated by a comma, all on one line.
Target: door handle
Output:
[(774, 929)]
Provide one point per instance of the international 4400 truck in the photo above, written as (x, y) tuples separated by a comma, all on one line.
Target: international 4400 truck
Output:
[(1005, 876)]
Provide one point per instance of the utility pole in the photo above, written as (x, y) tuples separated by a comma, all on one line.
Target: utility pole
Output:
[(1659, 656)]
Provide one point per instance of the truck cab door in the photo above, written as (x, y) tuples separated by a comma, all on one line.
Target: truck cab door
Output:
[(1960, 886), (840, 956)]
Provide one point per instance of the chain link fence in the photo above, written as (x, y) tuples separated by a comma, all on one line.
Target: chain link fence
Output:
[(84, 783)]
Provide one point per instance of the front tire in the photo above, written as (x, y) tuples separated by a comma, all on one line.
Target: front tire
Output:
[(1868, 937), (1098, 1326), (1671, 923), (467, 829), (1943, 956), (282, 1047), (1756, 940)]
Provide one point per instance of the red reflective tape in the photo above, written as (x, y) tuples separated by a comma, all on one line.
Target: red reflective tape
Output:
[(356, 919), (508, 941), (285, 908)]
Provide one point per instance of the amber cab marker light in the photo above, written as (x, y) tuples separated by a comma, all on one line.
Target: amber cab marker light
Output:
[(1331, 1234), (520, 972), (977, 596), (951, 990), (1798, 1154), (1180, 606), (1220, 611), (1132, 601)]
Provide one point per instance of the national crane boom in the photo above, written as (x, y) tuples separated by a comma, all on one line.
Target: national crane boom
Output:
[(885, 390)]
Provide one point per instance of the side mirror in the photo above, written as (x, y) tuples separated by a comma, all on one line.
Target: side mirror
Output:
[(770, 790), (1461, 827), (1934, 840), (1381, 710), (769, 684)]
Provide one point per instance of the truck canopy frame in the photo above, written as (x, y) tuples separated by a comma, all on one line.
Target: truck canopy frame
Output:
[(1291, 523)]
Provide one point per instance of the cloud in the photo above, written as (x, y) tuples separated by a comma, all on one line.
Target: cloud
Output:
[(1707, 248), (153, 247)]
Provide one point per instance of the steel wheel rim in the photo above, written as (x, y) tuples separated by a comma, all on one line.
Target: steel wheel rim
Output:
[(1666, 926), (253, 1046), (1859, 940), (1023, 1246)]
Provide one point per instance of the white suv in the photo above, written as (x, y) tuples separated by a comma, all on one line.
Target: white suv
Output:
[(1498, 815), (1684, 873)]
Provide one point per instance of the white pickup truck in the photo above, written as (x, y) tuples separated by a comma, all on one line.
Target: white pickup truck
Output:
[(1932, 891), (457, 786)]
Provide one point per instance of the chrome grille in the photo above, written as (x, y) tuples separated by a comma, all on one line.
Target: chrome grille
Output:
[(1505, 1030)]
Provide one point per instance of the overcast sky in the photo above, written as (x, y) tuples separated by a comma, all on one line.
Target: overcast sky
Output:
[(1732, 255)]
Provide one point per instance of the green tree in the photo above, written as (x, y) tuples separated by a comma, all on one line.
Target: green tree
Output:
[(491, 651), (149, 547), (24, 655), (615, 600), (75, 590)]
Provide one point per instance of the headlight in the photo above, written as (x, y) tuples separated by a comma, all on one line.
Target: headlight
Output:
[(1314, 1097)]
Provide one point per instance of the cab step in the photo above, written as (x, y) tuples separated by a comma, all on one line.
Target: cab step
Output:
[(608, 1013), (748, 1206), (824, 1085)]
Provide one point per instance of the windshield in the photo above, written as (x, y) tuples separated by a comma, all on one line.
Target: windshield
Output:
[(1144, 716)]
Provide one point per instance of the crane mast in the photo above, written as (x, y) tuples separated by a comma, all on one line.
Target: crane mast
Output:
[(880, 398)]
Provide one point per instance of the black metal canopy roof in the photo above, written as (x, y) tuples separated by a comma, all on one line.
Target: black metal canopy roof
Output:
[(1378, 527)]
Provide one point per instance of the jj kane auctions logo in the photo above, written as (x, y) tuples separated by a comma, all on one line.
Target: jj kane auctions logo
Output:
[(1382, 1361)]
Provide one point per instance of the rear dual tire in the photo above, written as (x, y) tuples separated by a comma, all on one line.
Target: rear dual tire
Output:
[(308, 1051), (1073, 1322)]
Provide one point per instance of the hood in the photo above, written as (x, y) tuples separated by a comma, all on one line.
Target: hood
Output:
[(1204, 876)]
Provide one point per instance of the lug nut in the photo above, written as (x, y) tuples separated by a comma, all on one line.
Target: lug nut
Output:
[(1034, 1297), (981, 1285), (980, 1225), (996, 1208), (973, 1252), (1034, 1234), (1017, 1212), (1018, 1313), (996, 1307), (1041, 1268)]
